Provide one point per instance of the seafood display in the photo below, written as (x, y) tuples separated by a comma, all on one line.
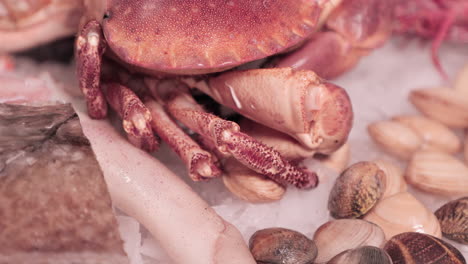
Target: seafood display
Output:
[(208, 122)]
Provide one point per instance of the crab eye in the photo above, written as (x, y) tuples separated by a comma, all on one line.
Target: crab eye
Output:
[(106, 15)]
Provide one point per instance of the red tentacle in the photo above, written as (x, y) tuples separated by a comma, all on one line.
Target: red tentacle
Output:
[(441, 34)]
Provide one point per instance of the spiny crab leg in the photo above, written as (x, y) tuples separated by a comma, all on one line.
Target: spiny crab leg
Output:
[(316, 113), (89, 48), (228, 139), (135, 115), (200, 163)]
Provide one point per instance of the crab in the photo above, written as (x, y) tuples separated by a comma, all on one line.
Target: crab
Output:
[(200, 44)]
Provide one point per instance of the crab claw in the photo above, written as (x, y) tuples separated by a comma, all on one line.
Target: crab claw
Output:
[(299, 103)]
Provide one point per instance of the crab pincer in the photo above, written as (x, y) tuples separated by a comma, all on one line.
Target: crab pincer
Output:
[(229, 140), (299, 103)]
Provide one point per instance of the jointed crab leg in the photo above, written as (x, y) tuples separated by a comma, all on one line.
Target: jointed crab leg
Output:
[(318, 114), (200, 163), (228, 139), (353, 29), (136, 117), (89, 46)]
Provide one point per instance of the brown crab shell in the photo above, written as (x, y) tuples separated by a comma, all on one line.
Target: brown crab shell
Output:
[(195, 36)]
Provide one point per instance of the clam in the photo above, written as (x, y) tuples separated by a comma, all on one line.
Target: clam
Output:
[(282, 246), (395, 138), (434, 134), (249, 185), (394, 181), (461, 81), (437, 172), (465, 147), (360, 255), (356, 190), (337, 160), (336, 236), (417, 248), (403, 213), (453, 218), (445, 105)]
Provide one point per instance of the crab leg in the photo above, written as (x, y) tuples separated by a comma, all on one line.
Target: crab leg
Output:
[(227, 137), (136, 117), (354, 29), (316, 113), (89, 48), (327, 53), (200, 163)]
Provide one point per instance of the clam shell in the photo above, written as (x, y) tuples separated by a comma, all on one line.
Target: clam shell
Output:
[(395, 138), (434, 134), (403, 213), (453, 218), (356, 190), (338, 160), (461, 81), (249, 185), (282, 246), (336, 236), (437, 172), (442, 104), (393, 178), (417, 248), (465, 150), (361, 255)]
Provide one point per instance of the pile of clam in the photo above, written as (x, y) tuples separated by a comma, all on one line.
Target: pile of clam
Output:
[(431, 146), (350, 241), (428, 142), (376, 219)]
